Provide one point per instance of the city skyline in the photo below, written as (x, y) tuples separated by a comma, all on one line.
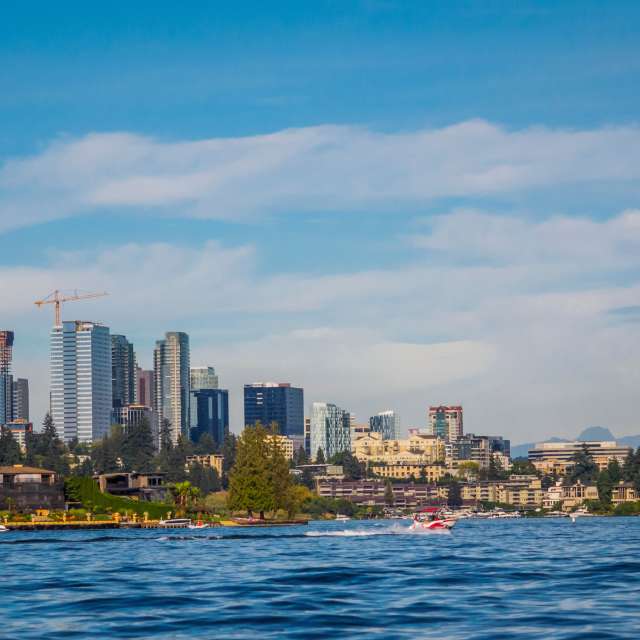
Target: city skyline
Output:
[(362, 198)]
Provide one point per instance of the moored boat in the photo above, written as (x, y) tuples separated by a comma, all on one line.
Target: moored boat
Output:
[(175, 523), (3, 529)]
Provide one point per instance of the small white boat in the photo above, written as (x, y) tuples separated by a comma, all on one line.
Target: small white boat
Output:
[(583, 512), (3, 529), (342, 518), (198, 525)]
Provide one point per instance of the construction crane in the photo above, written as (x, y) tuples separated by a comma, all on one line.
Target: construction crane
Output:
[(58, 297)]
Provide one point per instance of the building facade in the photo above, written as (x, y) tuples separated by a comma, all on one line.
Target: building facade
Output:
[(132, 415), (203, 378), (418, 449), (386, 423), (278, 402), (446, 422), (171, 369), (330, 429), (6, 379), (81, 380), (145, 384), (557, 457), (21, 399), (123, 372), (20, 429), (209, 414)]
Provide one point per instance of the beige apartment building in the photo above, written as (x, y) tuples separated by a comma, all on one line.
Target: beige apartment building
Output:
[(210, 461), (405, 470), (519, 491), (417, 449)]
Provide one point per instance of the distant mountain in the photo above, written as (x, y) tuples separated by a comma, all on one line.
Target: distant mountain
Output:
[(589, 434), (594, 434)]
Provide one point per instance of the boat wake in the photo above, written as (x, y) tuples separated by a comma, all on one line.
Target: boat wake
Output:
[(395, 530)]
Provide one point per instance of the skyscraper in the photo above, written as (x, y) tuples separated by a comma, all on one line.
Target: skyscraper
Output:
[(123, 372), (81, 380), (446, 422), (387, 423), (278, 402), (330, 429), (171, 379), (204, 378), (209, 414), (6, 379), (21, 399), (145, 387)]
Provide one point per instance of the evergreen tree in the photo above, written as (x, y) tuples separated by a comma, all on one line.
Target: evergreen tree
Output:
[(206, 445), (320, 456), (249, 486), (279, 476), (352, 468), (137, 447), (46, 450), (300, 457), (584, 468), (205, 479), (615, 471), (229, 447), (605, 486), (455, 495), (389, 499), (10, 453)]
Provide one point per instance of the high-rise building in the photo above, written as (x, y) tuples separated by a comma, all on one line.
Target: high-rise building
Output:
[(21, 399), (330, 429), (131, 415), (203, 378), (123, 372), (81, 380), (145, 387), (209, 414), (6, 379), (446, 422), (171, 367), (268, 402), (387, 423)]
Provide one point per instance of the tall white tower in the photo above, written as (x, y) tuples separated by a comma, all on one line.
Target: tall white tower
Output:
[(81, 380)]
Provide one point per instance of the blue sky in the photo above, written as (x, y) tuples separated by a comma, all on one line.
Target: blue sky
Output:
[(393, 203)]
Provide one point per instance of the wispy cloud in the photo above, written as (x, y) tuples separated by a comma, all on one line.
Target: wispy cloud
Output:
[(323, 168)]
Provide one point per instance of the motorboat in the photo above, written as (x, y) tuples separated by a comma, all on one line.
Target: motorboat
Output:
[(198, 525), (3, 529), (342, 518), (431, 519)]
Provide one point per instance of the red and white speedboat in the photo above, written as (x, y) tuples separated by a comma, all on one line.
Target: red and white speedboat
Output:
[(431, 519)]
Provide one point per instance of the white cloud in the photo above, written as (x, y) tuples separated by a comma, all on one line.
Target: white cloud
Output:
[(528, 344), (315, 168)]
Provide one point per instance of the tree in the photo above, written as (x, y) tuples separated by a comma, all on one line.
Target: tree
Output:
[(279, 476), (389, 500), (523, 467), (584, 469), (206, 445), (137, 447), (455, 495), (352, 468), (249, 486), (320, 456), (185, 493), (495, 471), (229, 446), (615, 470), (10, 453), (605, 486), (46, 450), (300, 457), (204, 478)]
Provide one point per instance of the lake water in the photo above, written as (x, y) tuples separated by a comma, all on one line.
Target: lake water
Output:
[(487, 579)]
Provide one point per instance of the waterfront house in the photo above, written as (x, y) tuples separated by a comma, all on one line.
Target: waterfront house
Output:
[(140, 486), (29, 488)]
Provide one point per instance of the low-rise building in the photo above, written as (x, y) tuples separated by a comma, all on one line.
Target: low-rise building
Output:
[(624, 492), (208, 461), (524, 492), (372, 493), (140, 486), (285, 443), (25, 488), (574, 495), (406, 470), (321, 471), (557, 457), (131, 415)]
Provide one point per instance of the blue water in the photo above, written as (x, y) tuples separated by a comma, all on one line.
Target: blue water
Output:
[(487, 579)]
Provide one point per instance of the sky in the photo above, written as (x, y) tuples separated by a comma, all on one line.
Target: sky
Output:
[(392, 204)]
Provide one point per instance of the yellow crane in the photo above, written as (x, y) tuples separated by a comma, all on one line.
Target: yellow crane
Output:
[(58, 297)]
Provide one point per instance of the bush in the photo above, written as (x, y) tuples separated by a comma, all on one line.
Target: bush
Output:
[(627, 509)]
